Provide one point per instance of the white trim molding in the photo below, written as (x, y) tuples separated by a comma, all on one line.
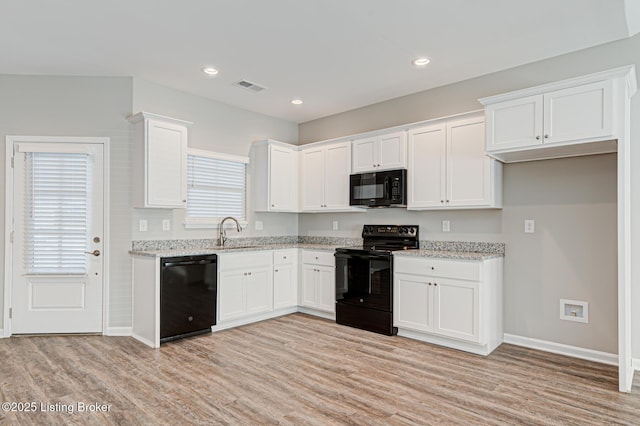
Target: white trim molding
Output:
[(561, 349), (118, 331)]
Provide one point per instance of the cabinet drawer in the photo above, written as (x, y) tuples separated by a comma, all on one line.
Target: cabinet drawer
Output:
[(283, 257), (248, 260), (318, 257), (457, 269)]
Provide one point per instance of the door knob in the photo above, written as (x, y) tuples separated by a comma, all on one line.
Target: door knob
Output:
[(95, 252)]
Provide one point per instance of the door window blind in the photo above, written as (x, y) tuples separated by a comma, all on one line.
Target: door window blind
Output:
[(216, 188), (57, 210)]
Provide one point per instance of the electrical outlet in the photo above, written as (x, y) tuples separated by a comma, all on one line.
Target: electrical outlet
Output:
[(259, 225), (446, 226), (166, 225), (143, 225), (335, 225), (529, 226)]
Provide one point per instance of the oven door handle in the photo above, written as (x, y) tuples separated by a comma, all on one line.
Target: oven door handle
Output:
[(365, 256)]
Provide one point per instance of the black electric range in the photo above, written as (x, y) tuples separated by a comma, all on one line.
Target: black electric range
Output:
[(364, 277)]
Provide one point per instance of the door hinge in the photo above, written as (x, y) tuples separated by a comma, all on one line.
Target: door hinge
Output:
[(10, 313), (12, 158), (11, 237)]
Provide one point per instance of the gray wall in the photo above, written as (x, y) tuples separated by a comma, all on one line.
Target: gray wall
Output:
[(573, 254), (216, 127), (79, 106)]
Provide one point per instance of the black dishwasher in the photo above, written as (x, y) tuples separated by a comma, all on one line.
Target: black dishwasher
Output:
[(188, 288)]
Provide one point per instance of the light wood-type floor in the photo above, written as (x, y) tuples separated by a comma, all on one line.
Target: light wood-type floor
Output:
[(301, 370)]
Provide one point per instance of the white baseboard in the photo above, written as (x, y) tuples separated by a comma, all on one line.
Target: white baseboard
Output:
[(559, 348), (118, 331)]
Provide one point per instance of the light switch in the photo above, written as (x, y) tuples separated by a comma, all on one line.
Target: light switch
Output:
[(143, 225), (335, 225), (259, 225), (446, 226), (166, 225)]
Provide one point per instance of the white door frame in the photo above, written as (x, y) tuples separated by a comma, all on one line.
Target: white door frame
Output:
[(10, 141)]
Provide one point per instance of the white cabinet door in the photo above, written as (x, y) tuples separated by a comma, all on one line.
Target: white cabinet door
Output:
[(231, 295), (160, 158), (427, 163), (383, 152), (283, 179), (285, 278), (364, 155), (515, 123), (337, 167), (456, 309), (312, 191), (468, 168), (284, 286), (166, 164), (412, 302), (259, 287), (308, 294), (392, 151), (582, 112), (326, 288)]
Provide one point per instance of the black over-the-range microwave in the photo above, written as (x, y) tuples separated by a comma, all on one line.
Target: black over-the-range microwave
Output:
[(379, 189)]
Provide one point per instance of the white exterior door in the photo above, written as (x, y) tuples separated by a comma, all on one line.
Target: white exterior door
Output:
[(58, 237)]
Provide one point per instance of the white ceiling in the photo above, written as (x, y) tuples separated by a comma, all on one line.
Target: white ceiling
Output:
[(334, 54)]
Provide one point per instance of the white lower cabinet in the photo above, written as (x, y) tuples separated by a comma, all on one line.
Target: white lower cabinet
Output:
[(317, 287), (245, 284), (456, 303), (285, 278)]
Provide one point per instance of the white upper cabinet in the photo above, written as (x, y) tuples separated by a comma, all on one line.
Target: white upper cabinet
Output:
[(275, 177), (160, 159), (448, 167), (563, 119), (382, 152), (325, 173)]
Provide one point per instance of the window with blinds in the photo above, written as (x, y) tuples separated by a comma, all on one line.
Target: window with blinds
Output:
[(216, 188), (57, 212)]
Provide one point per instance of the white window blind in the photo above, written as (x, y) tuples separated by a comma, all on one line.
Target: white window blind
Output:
[(57, 211), (216, 188)]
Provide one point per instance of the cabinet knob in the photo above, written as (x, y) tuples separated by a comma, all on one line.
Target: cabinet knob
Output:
[(442, 201), (429, 283), (538, 138), (276, 270), (249, 273), (273, 205), (378, 165), (546, 136), (284, 257), (184, 201), (447, 201), (432, 268), (435, 284)]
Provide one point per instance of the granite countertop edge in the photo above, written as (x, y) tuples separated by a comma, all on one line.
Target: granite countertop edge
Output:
[(439, 254)]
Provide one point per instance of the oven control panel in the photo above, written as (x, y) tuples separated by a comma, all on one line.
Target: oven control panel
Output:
[(389, 231)]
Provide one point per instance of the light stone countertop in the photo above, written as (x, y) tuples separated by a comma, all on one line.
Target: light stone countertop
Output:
[(231, 249), (438, 254), (447, 254)]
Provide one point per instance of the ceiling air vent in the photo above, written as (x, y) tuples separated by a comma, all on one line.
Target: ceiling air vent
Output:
[(249, 86)]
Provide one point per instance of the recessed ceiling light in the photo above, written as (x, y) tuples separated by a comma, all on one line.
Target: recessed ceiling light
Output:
[(296, 101), (210, 71), (420, 62)]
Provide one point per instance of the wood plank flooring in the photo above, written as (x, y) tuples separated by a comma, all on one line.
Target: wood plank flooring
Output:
[(301, 370)]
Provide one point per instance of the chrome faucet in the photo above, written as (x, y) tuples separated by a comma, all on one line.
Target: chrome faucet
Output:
[(222, 235)]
